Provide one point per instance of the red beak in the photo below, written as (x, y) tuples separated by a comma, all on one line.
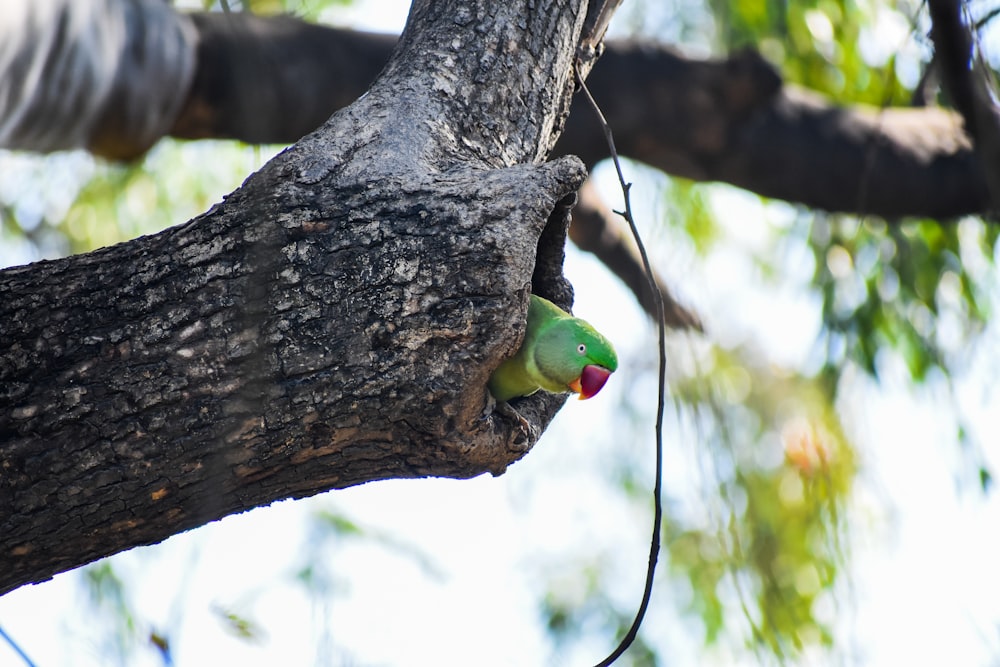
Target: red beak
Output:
[(590, 381)]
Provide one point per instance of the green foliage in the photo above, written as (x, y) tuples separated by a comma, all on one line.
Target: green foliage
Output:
[(819, 43), (309, 10), (888, 287), (687, 202), (107, 594), (783, 473), (90, 204), (911, 295), (756, 551), (697, 555), (121, 633)]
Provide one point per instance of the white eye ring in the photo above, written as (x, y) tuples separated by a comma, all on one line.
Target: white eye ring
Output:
[(581, 348)]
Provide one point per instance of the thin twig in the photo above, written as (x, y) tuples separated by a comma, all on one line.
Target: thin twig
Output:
[(654, 545), (17, 649), (591, 43)]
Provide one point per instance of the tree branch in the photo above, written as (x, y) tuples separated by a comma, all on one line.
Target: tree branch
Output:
[(727, 120), (100, 75), (733, 121), (333, 321), (968, 87), (272, 80)]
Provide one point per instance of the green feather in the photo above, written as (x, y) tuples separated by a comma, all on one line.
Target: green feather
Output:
[(556, 348)]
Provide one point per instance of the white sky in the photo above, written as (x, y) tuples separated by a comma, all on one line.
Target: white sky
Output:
[(926, 588)]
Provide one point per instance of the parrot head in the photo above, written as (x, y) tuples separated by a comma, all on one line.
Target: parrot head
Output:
[(573, 355)]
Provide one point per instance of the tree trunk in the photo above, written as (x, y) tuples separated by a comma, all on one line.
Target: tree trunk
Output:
[(333, 321)]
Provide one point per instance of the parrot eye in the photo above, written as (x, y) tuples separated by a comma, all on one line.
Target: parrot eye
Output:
[(581, 348)]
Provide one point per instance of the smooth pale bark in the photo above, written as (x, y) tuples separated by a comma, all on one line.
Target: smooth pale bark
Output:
[(333, 321)]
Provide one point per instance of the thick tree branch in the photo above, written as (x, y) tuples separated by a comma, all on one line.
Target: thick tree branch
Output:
[(275, 79), (967, 86), (733, 121), (333, 321), (249, 62), (727, 120)]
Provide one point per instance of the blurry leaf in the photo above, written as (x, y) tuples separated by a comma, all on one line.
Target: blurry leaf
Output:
[(162, 644), (704, 567), (107, 595), (332, 530), (339, 524), (687, 205), (238, 624), (985, 480)]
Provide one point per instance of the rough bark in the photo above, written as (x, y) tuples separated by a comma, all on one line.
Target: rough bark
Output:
[(275, 79), (333, 321), (729, 120)]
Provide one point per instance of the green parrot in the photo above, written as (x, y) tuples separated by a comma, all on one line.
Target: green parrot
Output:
[(560, 353)]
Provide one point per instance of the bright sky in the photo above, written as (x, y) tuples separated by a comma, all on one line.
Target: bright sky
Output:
[(926, 588)]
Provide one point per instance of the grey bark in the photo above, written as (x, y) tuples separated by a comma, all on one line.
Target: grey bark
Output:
[(333, 321), (731, 120), (275, 79)]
